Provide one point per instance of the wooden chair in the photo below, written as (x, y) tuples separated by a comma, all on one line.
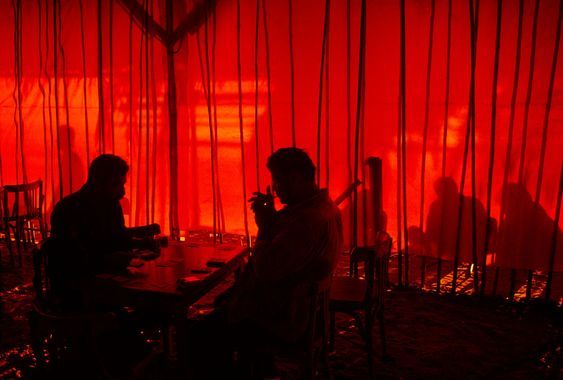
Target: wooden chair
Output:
[(22, 208), (363, 299), (312, 349)]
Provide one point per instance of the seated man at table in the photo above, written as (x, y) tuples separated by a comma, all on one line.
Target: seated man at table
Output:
[(88, 233), (296, 246)]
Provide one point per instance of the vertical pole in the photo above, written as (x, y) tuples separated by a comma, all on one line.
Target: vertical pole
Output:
[(554, 238), (173, 124), (375, 173)]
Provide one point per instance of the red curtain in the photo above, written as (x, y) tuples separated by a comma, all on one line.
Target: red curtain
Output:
[(78, 78)]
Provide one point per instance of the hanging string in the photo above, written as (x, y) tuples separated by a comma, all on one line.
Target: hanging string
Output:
[(84, 88), (220, 212), (131, 164), (207, 94), (65, 93), (42, 90), (470, 118), (426, 113), (492, 147), (49, 92), (548, 104), (140, 127), (256, 129), (359, 105), (55, 71), (111, 104), (403, 98), (327, 114), (292, 74), (444, 145), (154, 129), (349, 145), (212, 146), (241, 129), (321, 82), (508, 156), (268, 75), (475, 18), (147, 117), (528, 93), (101, 144), (15, 90), (399, 192), (18, 99)]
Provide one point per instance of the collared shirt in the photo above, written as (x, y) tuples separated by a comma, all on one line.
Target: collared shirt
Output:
[(302, 248)]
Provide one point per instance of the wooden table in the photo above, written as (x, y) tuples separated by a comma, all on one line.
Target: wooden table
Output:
[(154, 286)]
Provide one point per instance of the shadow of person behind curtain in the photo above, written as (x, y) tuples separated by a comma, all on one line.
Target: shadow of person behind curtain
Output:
[(525, 232), (442, 222)]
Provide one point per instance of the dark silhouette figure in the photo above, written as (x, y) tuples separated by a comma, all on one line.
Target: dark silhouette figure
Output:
[(439, 239), (525, 232), (88, 233), (296, 246)]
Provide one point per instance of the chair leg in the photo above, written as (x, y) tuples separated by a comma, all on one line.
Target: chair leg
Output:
[(369, 346), (381, 318), (332, 330)]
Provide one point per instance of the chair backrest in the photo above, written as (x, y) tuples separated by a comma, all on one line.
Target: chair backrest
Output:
[(22, 201), (375, 260)]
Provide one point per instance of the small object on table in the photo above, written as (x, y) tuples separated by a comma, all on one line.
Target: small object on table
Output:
[(187, 281), (201, 270), (215, 263)]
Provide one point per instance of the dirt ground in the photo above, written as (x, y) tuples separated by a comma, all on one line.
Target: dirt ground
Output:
[(429, 336)]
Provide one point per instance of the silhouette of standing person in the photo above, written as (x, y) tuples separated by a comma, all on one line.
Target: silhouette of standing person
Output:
[(525, 232), (442, 223)]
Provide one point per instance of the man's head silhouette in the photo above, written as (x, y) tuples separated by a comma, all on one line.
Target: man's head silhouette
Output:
[(107, 176), (293, 174)]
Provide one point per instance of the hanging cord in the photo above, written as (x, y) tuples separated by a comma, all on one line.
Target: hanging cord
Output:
[(542, 154), (425, 131), (216, 221), (548, 104), (359, 105), (403, 98), (42, 90), (111, 103), (84, 87), (56, 83), (268, 75), (321, 83), (508, 156), (15, 7), (101, 143), (241, 129), (426, 113), (206, 92), (154, 123), (470, 118), (327, 114), (475, 260), (349, 145), (528, 93), (147, 117), (220, 212), (49, 106), (131, 115), (140, 126), (256, 129), (65, 93), (445, 145), (18, 63), (292, 74), (492, 147)]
